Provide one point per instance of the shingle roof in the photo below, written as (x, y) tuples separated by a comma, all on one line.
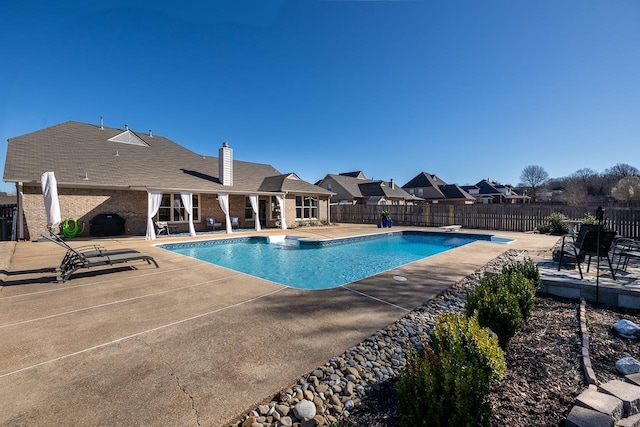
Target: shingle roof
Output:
[(76, 151), (356, 174), (487, 188), (453, 191), (349, 184), (291, 183), (424, 179)]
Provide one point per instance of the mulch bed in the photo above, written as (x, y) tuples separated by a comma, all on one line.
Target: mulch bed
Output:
[(544, 372)]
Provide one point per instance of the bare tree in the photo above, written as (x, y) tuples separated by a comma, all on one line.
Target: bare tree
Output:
[(574, 192), (534, 177), (621, 170)]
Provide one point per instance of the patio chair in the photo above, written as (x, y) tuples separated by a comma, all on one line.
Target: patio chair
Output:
[(211, 222), (77, 258), (161, 228), (86, 250), (234, 222), (626, 248), (589, 247)]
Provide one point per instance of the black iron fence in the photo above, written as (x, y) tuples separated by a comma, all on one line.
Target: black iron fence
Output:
[(624, 220), (6, 221)]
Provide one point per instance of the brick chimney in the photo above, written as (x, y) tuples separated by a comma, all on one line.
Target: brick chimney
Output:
[(225, 164)]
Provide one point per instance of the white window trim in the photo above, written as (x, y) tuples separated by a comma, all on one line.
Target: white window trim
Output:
[(311, 208), (176, 196)]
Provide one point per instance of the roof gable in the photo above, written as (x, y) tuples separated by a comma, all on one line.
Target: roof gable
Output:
[(128, 137)]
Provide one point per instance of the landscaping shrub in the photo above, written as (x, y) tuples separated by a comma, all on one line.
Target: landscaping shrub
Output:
[(449, 384), (554, 224), (526, 289), (499, 302)]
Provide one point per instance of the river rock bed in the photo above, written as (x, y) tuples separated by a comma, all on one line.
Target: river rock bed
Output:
[(328, 394)]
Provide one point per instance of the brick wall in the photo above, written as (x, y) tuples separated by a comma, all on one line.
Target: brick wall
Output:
[(85, 204)]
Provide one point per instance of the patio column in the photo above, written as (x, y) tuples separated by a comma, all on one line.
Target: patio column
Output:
[(223, 199)]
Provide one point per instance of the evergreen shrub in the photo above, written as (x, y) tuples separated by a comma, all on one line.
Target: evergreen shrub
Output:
[(448, 385)]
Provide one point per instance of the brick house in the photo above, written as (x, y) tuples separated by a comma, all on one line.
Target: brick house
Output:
[(488, 192), (355, 189), (107, 170), (434, 190)]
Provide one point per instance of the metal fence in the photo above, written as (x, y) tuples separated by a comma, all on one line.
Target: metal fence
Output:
[(624, 220), (6, 222)]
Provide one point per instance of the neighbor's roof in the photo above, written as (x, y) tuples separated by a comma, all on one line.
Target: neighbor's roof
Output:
[(453, 191), (8, 199), (291, 183), (487, 188), (86, 155), (381, 188), (423, 180)]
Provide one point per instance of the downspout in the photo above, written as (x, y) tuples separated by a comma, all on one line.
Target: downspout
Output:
[(20, 211)]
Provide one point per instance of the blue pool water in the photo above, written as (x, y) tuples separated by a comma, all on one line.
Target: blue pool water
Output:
[(321, 264)]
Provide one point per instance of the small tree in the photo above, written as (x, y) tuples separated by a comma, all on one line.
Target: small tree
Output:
[(627, 189), (534, 177)]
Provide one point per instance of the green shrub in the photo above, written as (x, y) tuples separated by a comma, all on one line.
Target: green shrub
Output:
[(555, 225), (497, 305), (528, 268), (523, 280), (449, 385)]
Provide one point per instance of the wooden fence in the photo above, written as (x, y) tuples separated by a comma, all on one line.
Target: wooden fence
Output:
[(624, 220)]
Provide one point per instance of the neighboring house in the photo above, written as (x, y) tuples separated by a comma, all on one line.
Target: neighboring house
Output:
[(353, 188), (106, 170), (488, 192), (7, 199), (434, 190)]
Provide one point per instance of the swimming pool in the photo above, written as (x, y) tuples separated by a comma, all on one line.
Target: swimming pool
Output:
[(321, 264)]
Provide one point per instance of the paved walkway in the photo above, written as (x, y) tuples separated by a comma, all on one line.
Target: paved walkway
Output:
[(189, 343)]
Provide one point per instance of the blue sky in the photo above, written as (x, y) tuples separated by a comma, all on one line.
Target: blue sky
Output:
[(465, 90)]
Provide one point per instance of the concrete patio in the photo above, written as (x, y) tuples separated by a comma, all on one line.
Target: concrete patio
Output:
[(190, 342)]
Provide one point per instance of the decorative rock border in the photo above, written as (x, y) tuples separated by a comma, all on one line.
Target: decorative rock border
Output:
[(328, 393), (613, 403)]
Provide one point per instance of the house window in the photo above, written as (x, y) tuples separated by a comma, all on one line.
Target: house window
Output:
[(306, 207), (395, 202), (248, 210), (329, 186), (420, 192), (412, 191), (172, 209)]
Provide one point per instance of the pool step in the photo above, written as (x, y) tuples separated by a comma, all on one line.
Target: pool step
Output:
[(285, 240)]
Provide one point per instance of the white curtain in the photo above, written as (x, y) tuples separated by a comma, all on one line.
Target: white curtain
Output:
[(283, 223), (187, 201), (51, 202), (154, 198), (253, 198), (223, 199)]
